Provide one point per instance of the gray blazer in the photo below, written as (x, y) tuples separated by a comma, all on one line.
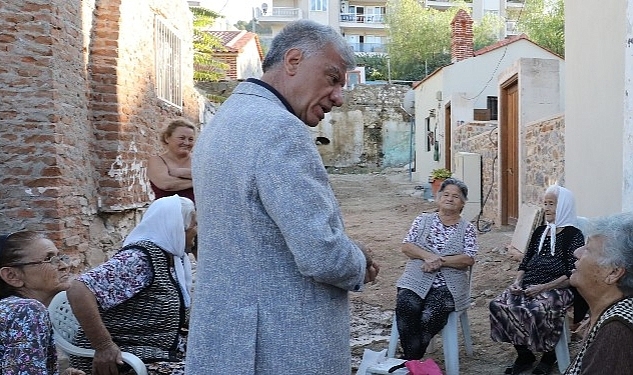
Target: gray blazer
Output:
[(275, 265)]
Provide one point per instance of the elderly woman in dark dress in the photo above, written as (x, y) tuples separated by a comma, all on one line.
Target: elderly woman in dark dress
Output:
[(530, 313), (440, 246)]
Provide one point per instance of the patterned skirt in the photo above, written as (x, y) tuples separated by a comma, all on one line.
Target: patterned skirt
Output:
[(535, 322)]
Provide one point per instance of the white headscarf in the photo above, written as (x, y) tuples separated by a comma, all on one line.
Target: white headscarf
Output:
[(163, 224), (565, 215)]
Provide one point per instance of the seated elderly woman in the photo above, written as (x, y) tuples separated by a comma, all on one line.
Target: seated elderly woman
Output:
[(603, 275), (32, 271), (530, 313), (440, 246), (137, 300)]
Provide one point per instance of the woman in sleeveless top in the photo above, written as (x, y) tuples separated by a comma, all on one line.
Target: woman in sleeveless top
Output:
[(440, 246), (170, 172)]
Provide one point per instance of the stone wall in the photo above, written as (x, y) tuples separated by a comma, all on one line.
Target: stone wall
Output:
[(544, 158), (370, 130), (482, 138), (542, 164), (80, 117)]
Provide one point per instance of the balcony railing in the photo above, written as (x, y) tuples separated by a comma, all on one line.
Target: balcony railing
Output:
[(369, 47), (279, 13), (362, 18)]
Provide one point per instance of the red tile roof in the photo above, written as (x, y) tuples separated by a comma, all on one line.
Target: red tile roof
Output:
[(235, 41)]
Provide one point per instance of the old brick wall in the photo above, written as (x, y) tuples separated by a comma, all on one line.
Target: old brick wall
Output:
[(80, 117), (46, 182)]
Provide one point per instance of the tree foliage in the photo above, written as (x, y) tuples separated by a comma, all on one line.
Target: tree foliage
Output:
[(206, 68), (420, 37), (248, 26), (543, 21)]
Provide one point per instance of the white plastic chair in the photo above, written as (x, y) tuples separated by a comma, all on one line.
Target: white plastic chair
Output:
[(449, 337), (562, 347), (65, 326)]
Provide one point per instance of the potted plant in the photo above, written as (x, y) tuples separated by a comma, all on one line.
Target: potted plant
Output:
[(437, 177)]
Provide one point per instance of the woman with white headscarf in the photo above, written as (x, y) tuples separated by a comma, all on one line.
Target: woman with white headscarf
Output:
[(530, 313), (137, 301)]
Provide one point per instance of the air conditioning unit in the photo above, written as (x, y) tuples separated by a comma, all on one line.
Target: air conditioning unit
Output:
[(468, 169)]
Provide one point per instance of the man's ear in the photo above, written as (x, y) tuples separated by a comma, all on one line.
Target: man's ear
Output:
[(292, 58), (12, 276)]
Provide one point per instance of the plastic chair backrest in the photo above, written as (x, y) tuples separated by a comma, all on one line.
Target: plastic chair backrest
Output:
[(66, 326)]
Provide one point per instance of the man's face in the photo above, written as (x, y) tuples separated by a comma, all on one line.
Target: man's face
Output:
[(318, 83)]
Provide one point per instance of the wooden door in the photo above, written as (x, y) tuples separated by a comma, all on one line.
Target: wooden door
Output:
[(509, 150)]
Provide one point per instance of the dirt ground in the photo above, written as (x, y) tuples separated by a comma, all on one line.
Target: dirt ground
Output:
[(378, 209)]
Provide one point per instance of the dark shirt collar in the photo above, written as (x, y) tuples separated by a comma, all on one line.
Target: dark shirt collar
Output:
[(272, 89)]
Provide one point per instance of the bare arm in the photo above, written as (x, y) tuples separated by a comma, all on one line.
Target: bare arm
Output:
[(85, 308), (461, 261), (534, 290), (164, 179)]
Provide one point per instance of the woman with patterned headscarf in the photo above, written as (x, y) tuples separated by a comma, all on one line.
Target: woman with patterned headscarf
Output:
[(530, 312)]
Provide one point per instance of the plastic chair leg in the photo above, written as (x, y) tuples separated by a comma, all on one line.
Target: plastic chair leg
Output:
[(468, 340), (562, 347), (393, 339), (451, 348)]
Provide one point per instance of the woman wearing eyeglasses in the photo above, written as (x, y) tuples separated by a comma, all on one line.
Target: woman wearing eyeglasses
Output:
[(31, 272)]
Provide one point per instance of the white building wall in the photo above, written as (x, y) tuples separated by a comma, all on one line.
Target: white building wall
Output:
[(249, 63), (596, 133), (467, 84), (627, 194), (425, 101)]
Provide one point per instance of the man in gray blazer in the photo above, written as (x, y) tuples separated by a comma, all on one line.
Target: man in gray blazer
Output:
[(275, 265)]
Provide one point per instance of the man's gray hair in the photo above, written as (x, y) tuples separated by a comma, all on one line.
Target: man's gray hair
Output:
[(617, 234), (309, 37)]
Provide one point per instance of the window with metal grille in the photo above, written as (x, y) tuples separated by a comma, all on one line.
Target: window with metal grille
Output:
[(168, 64)]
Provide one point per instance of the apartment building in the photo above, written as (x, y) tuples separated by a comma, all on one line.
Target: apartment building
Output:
[(362, 22)]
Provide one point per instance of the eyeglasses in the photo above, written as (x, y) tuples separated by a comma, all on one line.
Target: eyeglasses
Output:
[(54, 260)]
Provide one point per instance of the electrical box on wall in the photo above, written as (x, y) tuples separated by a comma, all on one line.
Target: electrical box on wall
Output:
[(468, 169)]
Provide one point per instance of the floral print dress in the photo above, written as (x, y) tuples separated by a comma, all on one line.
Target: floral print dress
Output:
[(26, 338)]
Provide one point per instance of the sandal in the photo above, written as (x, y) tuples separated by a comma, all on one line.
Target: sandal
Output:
[(543, 368)]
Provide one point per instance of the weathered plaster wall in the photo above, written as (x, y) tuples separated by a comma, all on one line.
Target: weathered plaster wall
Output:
[(371, 129)]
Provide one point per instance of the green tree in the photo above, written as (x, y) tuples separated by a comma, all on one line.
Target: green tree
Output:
[(248, 26), (375, 66), (206, 68), (543, 21), (420, 37)]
